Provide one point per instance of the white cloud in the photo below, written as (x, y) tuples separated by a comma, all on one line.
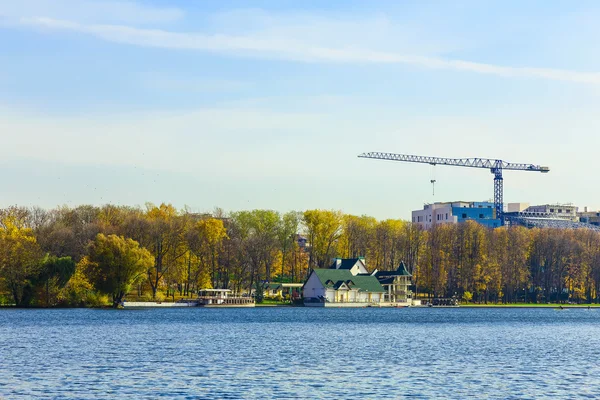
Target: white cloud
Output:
[(90, 11), (295, 49)]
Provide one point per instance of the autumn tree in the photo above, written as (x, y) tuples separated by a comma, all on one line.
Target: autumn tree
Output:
[(205, 240), (19, 259), (323, 230), (116, 264), (258, 233), (286, 237), (357, 236), (163, 234)]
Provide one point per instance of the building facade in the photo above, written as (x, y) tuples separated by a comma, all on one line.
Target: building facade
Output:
[(589, 217), (562, 211), (456, 212)]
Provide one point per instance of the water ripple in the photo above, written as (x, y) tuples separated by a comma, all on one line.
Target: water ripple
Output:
[(299, 353)]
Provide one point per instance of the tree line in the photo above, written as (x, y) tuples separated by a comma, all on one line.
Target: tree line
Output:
[(88, 255)]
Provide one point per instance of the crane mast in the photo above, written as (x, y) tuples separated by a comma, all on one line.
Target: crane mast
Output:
[(495, 166)]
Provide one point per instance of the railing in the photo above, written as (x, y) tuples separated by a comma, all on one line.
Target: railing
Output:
[(204, 300)]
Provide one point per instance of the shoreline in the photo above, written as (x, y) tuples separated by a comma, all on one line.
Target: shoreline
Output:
[(474, 306)]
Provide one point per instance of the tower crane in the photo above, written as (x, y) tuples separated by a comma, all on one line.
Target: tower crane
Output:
[(495, 166)]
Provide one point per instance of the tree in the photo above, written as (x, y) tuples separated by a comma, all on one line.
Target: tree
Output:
[(324, 229), (117, 264), (164, 238), (286, 235), (19, 259), (79, 291), (54, 274), (259, 295), (205, 240), (258, 230), (357, 237)]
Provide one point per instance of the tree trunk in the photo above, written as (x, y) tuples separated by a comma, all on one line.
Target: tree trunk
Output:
[(117, 299)]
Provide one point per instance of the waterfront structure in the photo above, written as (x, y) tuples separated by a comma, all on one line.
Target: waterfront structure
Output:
[(456, 212), (206, 298), (346, 283), (222, 298), (291, 290), (396, 285)]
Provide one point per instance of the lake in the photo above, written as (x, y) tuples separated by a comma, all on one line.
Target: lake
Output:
[(300, 353)]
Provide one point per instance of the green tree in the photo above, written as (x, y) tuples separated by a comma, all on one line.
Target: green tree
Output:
[(259, 295), (54, 274), (117, 264)]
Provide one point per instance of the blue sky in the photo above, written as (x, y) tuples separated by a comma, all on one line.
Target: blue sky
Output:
[(214, 103)]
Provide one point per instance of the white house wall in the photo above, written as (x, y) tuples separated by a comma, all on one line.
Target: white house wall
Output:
[(313, 287), (330, 294)]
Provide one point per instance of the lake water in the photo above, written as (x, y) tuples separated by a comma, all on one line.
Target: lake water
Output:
[(300, 353)]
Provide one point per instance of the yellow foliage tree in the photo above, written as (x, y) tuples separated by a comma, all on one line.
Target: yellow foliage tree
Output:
[(19, 259)]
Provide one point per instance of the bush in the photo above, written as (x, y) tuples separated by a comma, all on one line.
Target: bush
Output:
[(94, 299), (467, 296)]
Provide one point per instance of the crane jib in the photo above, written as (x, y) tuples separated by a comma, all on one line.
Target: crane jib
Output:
[(457, 162), (495, 167)]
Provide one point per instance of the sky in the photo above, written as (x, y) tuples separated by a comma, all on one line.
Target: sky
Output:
[(211, 104)]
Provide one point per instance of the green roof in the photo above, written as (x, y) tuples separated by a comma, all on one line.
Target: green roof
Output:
[(272, 286), (401, 271), (333, 278)]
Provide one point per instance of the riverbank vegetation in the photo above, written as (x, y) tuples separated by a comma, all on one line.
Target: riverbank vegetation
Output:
[(89, 256)]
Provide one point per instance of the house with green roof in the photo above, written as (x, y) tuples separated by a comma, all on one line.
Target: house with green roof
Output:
[(340, 287)]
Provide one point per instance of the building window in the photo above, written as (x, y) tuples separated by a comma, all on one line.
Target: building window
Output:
[(464, 216), (480, 216), (446, 215)]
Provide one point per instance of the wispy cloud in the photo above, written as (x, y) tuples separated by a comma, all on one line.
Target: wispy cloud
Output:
[(294, 49)]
